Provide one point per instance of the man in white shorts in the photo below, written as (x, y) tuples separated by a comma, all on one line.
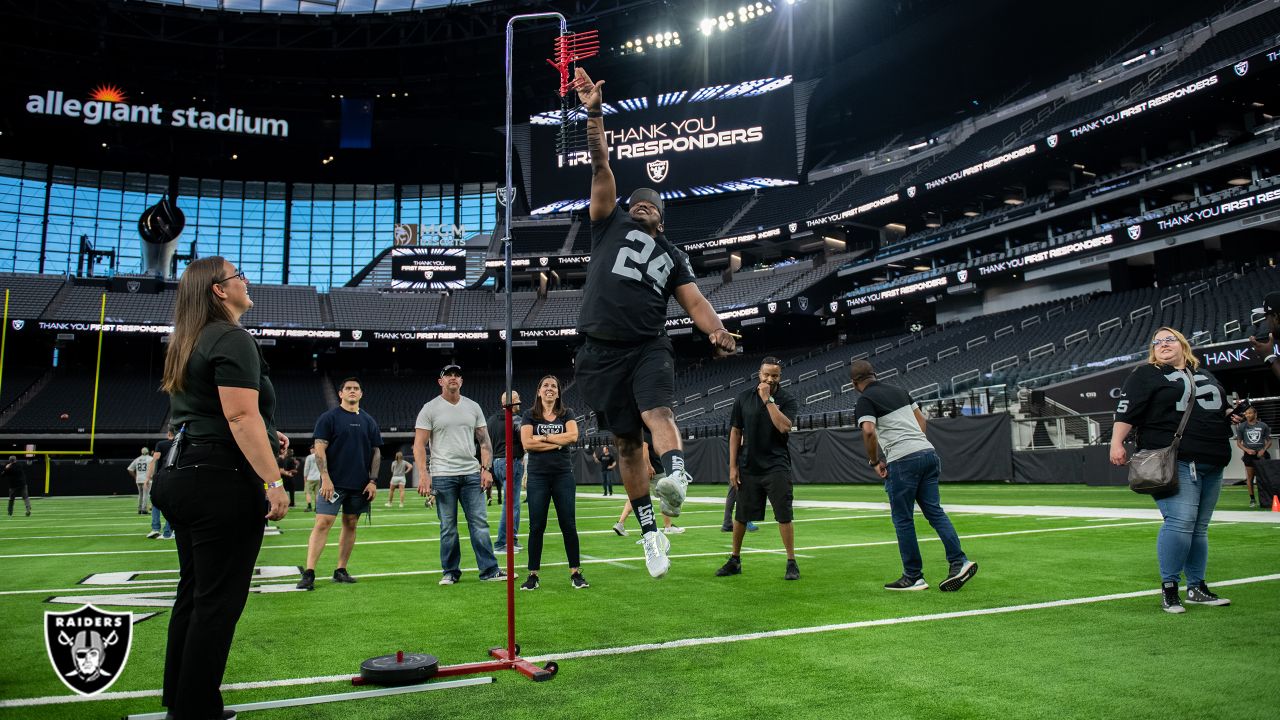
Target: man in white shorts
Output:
[(138, 469)]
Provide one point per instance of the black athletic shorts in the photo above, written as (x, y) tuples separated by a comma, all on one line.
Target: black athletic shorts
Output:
[(1249, 460), (755, 489), (619, 381)]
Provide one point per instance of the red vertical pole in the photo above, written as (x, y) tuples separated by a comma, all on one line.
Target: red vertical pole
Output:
[(508, 506)]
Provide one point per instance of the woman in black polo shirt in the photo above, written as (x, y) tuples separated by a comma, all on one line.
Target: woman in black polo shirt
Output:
[(547, 432), (1153, 400), (213, 494)]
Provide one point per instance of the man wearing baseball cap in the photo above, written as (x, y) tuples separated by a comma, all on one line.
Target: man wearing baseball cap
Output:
[(1265, 346), (454, 426), (625, 368)]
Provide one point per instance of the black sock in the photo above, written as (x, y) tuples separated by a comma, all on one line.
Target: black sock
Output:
[(672, 461), (643, 508)]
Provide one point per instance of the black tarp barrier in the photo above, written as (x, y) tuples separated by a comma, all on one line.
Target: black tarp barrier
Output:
[(972, 449), (1090, 465)]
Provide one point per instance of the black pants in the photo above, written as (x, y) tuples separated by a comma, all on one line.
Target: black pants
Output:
[(543, 490), (217, 513), (14, 492)]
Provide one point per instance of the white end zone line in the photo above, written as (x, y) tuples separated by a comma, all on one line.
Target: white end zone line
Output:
[(672, 645)]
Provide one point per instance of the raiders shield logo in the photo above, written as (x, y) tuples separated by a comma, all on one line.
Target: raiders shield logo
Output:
[(911, 191), (504, 195), (543, 261), (1052, 141), (88, 647), (502, 334), (133, 286), (962, 276), (1253, 436), (804, 303), (357, 334), (793, 227), (773, 307), (18, 324), (833, 306), (657, 170), (1135, 231), (1241, 67)]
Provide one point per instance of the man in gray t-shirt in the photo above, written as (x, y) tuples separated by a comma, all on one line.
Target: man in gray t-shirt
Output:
[(1253, 437), (453, 426)]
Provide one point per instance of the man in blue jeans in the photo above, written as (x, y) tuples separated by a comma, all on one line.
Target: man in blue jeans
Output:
[(497, 424), (889, 418), (454, 426)]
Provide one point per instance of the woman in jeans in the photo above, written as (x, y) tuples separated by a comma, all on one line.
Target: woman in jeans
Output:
[(1153, 400), (224, 481), (547, 432)]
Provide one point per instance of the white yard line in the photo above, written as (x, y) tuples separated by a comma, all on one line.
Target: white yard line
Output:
[(672, 645)]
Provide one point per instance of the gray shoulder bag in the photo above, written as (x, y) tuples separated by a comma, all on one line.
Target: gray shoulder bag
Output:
[(1155, 472)]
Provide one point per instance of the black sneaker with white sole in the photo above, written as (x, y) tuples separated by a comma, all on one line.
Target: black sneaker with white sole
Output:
[(1200, 594), (793, 571), (960, 574), (530, 583), (907, 584), (1169, 600), (308, 581), (342, 576), (578, 582)]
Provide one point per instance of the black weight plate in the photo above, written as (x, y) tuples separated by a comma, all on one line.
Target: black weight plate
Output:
[(384, 670)]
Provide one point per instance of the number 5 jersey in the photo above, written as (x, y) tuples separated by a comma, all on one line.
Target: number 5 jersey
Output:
[(631, 277)]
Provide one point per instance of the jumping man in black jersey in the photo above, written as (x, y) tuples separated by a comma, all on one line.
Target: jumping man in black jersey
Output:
[(626, 367)]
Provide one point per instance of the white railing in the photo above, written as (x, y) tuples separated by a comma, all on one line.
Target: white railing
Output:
[(953, 350), (1111, 324), (807, 376), (1230, 327), (737, 381), (884, 348), (1008, 362), (1035, 352), (1028, 322), (817, 397), (691, 413), (1006, 330), (1075, 337), (1143, 311), (1171, 300), (1196, 289), (833, 366), (966, 376), (917, 363), (1055, 312), (975, 342), (723, 404), (847, 387), (691, 398), (860, 356), (883, 374), (923, 392)]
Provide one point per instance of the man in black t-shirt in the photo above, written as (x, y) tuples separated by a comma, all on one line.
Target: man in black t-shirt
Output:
[(497, 424), (608, 464), (761, 421), (625, 367)]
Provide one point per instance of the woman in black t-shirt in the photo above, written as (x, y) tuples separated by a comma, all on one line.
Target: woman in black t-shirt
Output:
[(213, 494), (1153, 400), (547, 432)]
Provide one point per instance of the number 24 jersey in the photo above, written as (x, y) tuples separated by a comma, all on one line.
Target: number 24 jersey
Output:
[(631, 277)]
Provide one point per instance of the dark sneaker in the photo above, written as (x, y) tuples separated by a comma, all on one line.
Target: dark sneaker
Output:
[(1201, 595), (751, 527), (578, 582), (793, 571), (308, 581), (1169, 598), (731, 567), (961, 573), (907, 584), (497, 576), (726, 529), (530, 583), (342, 576)]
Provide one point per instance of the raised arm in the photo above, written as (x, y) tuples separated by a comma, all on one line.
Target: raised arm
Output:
[(604, 189)]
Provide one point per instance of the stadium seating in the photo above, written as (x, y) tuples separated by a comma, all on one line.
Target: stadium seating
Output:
[(369, 309), (29, 295)]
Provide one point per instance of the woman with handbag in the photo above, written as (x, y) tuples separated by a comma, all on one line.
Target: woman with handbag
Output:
[(219, 481), (1183, 443)]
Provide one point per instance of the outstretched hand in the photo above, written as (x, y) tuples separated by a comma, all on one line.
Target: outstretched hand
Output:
[(723, 342), (589, 93)]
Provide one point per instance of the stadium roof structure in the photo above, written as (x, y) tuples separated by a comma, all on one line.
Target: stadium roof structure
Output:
[(318, 7)]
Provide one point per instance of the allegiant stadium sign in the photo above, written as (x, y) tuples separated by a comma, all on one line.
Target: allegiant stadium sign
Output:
[(109, 104)]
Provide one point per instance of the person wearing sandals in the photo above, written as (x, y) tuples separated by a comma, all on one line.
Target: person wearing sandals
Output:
[(1153, 400)]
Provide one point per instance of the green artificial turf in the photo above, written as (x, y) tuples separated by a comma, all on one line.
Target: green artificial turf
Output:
[(1114, 658)]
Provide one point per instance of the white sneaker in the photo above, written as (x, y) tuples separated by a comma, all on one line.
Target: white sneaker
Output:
[(656, 546), (387, 504), (153, 534), (674, 530), (448, 580), (620, 529), (671, 490)]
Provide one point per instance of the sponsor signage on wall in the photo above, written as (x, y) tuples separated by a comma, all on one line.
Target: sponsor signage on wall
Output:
[(107, 103)]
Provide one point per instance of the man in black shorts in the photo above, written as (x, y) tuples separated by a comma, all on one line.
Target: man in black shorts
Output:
[(625, 368), (761, 421)]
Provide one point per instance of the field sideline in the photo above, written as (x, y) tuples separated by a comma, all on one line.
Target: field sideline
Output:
[(1062, 621)]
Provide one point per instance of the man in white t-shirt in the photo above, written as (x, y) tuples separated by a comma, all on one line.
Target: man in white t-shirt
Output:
[(453, 426), (138, 469)]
